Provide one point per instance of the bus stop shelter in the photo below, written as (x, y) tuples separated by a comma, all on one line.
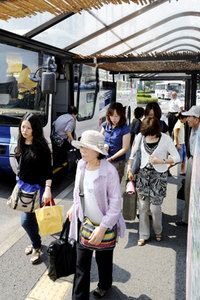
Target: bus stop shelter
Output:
[(142, 38)]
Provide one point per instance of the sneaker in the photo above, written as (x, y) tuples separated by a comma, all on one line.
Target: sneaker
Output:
[(99, 293)]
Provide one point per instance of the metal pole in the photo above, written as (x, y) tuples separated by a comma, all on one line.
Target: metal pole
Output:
[(193, 89), (187, 93)]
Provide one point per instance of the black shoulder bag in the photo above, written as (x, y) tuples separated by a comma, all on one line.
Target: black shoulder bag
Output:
[(62, 254)]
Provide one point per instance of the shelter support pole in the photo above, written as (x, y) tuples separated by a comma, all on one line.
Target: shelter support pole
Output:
[(193, 88), (187, 94), (187, 107)]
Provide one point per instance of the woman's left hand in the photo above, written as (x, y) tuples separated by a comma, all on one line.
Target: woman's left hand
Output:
[(97, 235), (46, 196), (155, 160)]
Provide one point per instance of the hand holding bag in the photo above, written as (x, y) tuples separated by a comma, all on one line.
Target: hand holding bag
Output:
[(137, 159), (130, 187), (129, 204), (62, 255), (49, 219), (87, 227)]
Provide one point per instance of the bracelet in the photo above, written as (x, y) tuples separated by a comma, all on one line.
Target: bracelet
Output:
[(47, 185)]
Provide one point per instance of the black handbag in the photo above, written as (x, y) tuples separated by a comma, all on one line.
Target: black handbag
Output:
[(62, 255)]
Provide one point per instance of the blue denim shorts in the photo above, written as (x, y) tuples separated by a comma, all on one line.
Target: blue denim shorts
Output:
[(182, 153)]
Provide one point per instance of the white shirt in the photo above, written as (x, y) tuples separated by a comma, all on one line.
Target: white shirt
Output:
[(181, 133), (193, 137), (164, 147), (92, 210), (174, 105)]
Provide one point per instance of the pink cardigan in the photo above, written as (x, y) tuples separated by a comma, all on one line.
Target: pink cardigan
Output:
[(107, 191)]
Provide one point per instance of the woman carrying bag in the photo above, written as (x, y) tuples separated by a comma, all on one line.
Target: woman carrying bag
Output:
[(151, 180), (35, 173), (99, 199)]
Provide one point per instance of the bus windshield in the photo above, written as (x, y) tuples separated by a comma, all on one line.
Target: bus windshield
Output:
[(174, 87), (164, 90), (18, 93)]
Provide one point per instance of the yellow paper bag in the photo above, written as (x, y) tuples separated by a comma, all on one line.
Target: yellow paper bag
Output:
[(50, 219)]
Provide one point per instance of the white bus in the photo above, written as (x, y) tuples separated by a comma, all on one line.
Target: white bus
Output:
[(89, 88), (163, 90), (94, 90)]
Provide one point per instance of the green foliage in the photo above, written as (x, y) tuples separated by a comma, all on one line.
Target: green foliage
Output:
[(146, 91), (145, 100), (144, 95), (149, 91)]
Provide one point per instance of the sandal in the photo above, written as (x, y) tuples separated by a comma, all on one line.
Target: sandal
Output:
[(141, 242), (99, 293), (159, 237), (28, 250), (36, 256)]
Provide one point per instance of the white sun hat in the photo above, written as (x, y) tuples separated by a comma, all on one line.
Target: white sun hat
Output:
[(91, 139), (194, 111)]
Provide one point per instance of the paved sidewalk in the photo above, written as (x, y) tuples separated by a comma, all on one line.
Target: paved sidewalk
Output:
[(155, 271)]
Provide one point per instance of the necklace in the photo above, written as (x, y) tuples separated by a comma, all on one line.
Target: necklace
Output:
[(148, 149)]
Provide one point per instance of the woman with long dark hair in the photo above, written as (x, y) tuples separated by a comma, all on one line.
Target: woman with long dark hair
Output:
[(117, 136), (34, 158)]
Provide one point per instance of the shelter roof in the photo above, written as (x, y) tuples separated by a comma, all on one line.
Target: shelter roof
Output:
[(119, 35), (154, 62), (20, 8)]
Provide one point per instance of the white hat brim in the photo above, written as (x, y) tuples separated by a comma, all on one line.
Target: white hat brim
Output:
[(78, 144), (193, 111)]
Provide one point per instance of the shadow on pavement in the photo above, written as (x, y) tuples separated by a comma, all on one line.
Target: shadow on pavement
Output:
[(115, 294)]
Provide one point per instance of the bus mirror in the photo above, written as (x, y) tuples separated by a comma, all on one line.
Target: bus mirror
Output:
[(48, 84)]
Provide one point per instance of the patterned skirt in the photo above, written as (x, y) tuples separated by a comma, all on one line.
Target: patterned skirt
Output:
[(152, 184)]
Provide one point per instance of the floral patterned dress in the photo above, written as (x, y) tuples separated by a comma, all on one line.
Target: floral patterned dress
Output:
[(149, 182)]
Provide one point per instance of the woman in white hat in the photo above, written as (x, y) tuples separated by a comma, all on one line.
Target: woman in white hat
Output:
[(102, 205)]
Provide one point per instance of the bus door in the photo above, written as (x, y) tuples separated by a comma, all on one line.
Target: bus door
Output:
[(92, 96)]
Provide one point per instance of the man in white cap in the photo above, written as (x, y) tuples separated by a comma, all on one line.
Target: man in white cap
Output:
[(193, 119)]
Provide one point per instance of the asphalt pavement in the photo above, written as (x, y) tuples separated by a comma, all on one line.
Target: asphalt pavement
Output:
[(155, 271)]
